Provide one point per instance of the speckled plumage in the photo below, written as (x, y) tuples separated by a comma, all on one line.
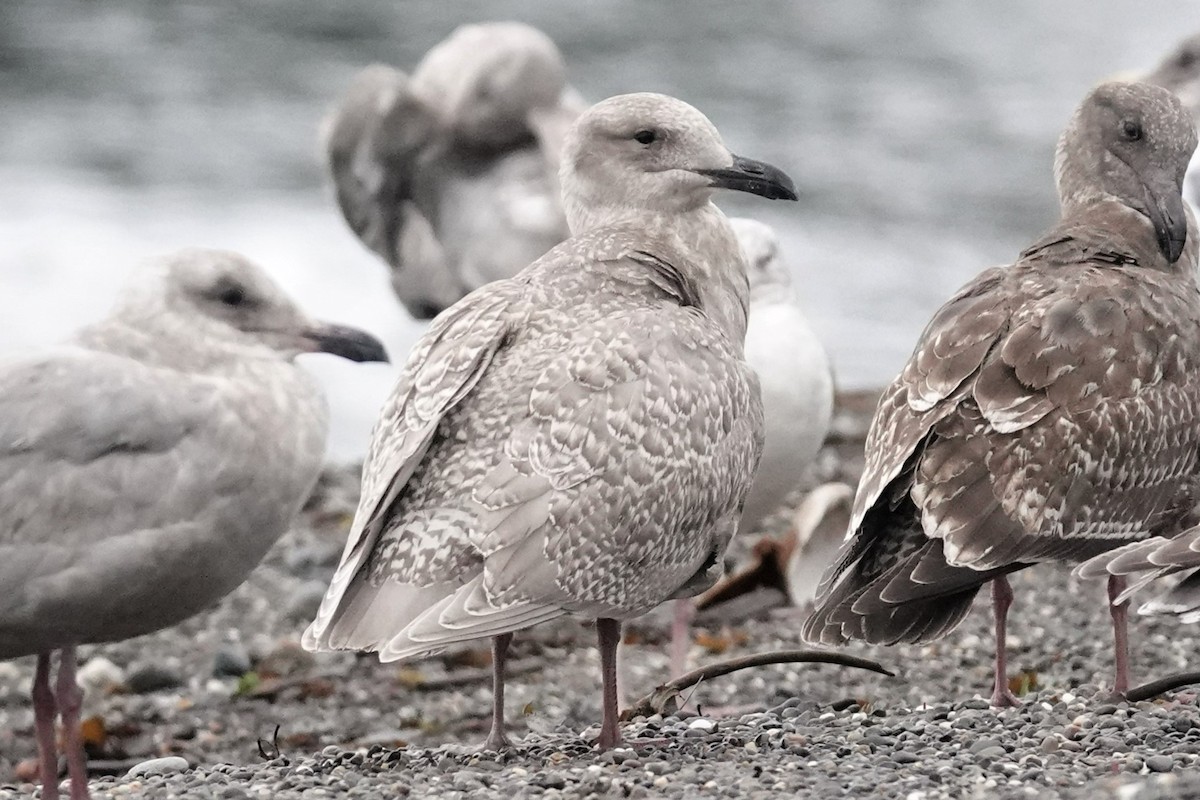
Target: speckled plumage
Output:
[(578, 439), (1051, 409), (582, 438)]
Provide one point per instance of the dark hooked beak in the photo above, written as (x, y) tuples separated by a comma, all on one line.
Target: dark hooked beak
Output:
[(755, 177), (349, 343), (1164, 207)]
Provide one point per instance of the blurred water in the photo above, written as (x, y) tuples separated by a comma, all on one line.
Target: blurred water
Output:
[(921, 134)]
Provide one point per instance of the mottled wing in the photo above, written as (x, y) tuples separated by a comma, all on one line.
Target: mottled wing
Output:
[(620, 488), (442, 369), (1082, 428), (929, 388), (948, 353), (88, 445)]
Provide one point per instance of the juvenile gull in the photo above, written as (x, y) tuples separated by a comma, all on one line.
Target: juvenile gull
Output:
[(147, 465), (797, 392), (577, 439), (1051, 409), (451, 175)]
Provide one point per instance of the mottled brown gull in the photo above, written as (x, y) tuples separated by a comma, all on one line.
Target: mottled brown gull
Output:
[(578, 439), (147, 465), (1051, 409), (450, 176)]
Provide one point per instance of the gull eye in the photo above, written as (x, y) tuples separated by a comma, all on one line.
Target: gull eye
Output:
[(645, 136), (1131, 129), (230, 294), (233, 296)]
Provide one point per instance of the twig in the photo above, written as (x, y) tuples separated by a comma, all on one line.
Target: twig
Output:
[(269, 688), (1162, 686), (274, 743), (661, 700)]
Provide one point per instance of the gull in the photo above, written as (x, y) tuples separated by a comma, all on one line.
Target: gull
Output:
[(1050, 410), (577, 440), (450, 175), (147, 465)]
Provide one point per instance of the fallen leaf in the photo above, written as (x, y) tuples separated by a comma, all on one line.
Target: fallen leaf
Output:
[(1023, 682), (94, 733), (718, 644), (247, 683), (409, 677)]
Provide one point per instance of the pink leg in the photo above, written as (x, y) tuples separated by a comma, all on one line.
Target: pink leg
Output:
[(609, 635), (44, 712), (681, 637), (1120, 624), (70, 701), (1002, 597), (496, 739)]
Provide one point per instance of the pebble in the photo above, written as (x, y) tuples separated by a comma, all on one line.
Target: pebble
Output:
[(305, 601), (801, 730), (166, 765), (231, 661), (99, 676), (153, 677), (1160, 763)]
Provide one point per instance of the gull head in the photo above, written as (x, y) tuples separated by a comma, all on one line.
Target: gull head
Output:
[(1130, 142), (653, 154), (217, 301), (760, 246), (488, 78)]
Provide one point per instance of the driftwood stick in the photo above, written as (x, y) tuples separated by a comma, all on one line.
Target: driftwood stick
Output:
[(661, 700), (1154, 688)]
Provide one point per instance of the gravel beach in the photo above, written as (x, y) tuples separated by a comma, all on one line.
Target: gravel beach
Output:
[(236, 710)]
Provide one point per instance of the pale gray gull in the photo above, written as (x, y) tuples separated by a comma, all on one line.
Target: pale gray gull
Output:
[(148, 464), (797, 392), (1050, 410), (450, 176), (578, 439)]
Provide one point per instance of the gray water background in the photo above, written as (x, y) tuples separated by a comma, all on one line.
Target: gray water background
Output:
[(921, 135)]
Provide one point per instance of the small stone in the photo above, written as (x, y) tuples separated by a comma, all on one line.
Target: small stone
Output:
[(703, 725), (1160, 763), (99, 676), (990, 752), (305, 601), (980, 745), (158, 766), (231, 661), (905, 757), (153, 678)]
